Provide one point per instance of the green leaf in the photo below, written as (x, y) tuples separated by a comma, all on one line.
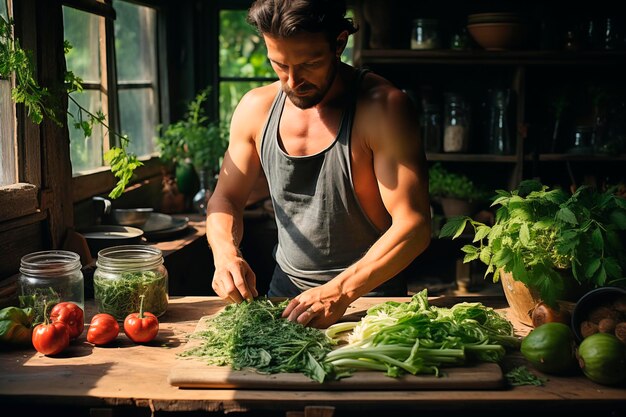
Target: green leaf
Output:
[(454, 227), (592, 267), (600, 277), (566, 215), (524, 235), (471, 253), (597, 240), (481, 232), (485, 255), (612, 268), (618, 217)]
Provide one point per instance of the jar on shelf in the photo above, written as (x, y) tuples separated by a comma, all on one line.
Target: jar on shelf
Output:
[(425, 34), (48, 278), (431, 128), (123, 274), (456, 124), (499, 133)]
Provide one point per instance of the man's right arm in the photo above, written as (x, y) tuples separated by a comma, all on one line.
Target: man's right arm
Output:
[(233, 278)]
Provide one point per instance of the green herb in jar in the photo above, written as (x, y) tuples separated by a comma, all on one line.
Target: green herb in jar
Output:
[(41, 300), (120, 297)]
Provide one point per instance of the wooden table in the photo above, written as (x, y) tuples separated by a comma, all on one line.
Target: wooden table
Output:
[(134, 376)]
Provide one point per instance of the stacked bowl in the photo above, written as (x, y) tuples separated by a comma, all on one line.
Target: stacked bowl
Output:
[(497, 31)]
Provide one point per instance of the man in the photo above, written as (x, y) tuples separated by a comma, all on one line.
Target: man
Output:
[(342, 155)]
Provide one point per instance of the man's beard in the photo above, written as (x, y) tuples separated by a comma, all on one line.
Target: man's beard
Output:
[(307, 102)]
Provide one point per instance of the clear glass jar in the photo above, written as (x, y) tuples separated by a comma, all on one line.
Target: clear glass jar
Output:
[(431, 128), (456, 124), (48, 278), (425, 34), (123, 274)]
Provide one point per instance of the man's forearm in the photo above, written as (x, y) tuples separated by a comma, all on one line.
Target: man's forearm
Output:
[(224, 229), (387, 257)]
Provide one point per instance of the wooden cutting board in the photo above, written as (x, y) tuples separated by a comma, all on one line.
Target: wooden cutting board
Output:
[(194, 373)]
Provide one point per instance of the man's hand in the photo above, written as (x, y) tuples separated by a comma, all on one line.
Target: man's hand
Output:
[(318, 307), (235, 281)]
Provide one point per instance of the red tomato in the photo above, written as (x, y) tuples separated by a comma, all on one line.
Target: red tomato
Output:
[(103, 329), (70, 314), (52, 338), (141, 327)]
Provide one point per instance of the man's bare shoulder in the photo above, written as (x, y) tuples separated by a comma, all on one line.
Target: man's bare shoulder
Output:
[(253, 108), (382, 106)]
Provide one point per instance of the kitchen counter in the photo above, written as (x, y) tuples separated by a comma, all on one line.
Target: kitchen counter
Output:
[(129, 375)]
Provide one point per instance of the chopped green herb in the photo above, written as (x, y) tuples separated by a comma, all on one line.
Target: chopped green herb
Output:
[(253, 335), (522, 376), (41, 300)]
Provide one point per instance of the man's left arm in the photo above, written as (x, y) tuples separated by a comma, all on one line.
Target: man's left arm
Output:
[(401, 173)]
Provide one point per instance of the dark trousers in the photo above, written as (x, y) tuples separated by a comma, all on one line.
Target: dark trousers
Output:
[(281, 286)]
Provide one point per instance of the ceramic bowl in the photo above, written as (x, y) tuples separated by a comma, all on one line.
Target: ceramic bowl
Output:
[(105, 236), (135, 217), (603, 296), (498, 36)]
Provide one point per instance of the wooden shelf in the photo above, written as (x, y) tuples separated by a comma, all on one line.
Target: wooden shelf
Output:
[(448, 57), (555, 157), (468, 157)]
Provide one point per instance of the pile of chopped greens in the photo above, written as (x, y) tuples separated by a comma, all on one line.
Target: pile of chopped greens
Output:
[(121, 297), (253, 335), (417, 338)]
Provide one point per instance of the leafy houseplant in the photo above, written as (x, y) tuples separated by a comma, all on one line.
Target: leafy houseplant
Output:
[(543, 236), (445, 186), (195, 139)]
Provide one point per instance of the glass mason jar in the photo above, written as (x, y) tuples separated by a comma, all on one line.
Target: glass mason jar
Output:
[(425, 34), (48, 278), (456, 125), (123, 274)]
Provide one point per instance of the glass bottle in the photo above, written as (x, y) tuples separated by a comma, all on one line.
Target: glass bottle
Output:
[(499, 133), (48, 278), (123, 274), (456, 124), (431, 128)]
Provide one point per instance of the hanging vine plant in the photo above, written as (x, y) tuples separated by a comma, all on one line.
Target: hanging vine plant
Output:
[(17, 62)]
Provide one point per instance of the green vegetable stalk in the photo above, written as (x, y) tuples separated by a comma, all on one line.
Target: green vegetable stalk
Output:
[(417, 338), (16, 326)]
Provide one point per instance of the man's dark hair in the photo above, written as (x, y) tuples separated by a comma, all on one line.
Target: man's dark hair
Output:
[(286, 18)]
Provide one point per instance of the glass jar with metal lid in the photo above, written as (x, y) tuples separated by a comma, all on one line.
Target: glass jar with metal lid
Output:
[(48, 278), (123, 274)]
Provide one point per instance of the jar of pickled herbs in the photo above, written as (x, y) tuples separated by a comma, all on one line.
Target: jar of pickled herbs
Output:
[(125, 273)]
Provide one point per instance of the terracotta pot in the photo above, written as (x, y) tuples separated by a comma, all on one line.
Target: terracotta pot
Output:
[(457, 207), (522, 300)]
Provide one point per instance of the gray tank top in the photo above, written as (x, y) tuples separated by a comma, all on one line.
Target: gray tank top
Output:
[(322, 228)]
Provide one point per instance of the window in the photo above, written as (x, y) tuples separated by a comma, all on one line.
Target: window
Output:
[(7, 122), (123, 86)]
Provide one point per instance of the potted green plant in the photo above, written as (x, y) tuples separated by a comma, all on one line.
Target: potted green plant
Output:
[(550, 241), (194, 143), (457, 194)]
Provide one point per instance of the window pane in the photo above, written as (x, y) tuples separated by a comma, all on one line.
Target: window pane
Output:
[(242, 50), (230, 94), (81, 30), (7, 140), (138, 117), (135, 48), (135, 43), (85, 153), (3, 9)]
